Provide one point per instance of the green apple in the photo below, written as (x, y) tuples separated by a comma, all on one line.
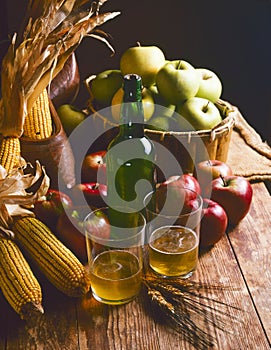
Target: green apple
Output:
[(162, 123), (70, 117), (162, 107), (210, 86), (177, 81), (198, 113), (183, 123), (144, 61), (147, 102), (105, 85)]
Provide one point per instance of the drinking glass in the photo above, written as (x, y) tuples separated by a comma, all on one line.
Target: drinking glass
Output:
[(173, 251), (173, 216), (173, 205), (115, 254)]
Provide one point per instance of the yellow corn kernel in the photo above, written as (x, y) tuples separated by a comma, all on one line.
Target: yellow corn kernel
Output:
[(38, 122), (55, 260), (17, 281), (10, 152)]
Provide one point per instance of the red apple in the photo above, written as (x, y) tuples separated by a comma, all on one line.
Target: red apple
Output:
[(234, 194), (70, 230), (209, 170), (94, 167), (93, 193), (174, 199), (190, 205), (48, 208), (99, 227), (185, 181), (213, 223)]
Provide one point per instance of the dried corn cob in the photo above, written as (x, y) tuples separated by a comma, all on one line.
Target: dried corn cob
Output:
[(19, 285), (55, 260), (38, 122), (10, 152)]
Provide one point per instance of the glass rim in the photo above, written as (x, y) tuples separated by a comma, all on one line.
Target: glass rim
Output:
[(140, 229), (175, 226), (167, 216)]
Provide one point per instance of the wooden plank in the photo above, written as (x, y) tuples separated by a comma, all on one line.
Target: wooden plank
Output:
[(251, 242), (220, 266), (116, 327), (86, 324), (138, 325), (56, 329)]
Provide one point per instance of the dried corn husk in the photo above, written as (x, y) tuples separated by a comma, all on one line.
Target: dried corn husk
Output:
[(53, 31), (14, 198)]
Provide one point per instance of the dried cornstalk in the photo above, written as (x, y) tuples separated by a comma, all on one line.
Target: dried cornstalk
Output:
[(54, 29)]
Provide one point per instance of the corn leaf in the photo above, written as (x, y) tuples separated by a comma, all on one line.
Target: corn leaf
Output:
[(53, 31)]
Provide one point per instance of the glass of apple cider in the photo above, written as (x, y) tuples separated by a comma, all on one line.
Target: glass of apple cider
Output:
[(173, 251), (173, 205), (115, 254)]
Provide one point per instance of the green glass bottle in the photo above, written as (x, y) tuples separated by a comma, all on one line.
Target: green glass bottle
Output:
[(130, 159)]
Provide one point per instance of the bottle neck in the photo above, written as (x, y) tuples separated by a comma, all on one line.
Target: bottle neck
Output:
[(132, 118), (131, 113)]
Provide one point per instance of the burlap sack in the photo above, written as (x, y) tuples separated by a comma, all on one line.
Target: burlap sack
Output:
[(249, 155)]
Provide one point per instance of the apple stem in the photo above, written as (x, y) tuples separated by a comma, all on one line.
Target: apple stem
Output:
[(223, 180), (96, 186), (179, 64), (206, 77), (205, 108), (138, 43)]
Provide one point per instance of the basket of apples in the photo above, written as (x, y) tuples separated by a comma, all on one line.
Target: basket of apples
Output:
[(182, 107)]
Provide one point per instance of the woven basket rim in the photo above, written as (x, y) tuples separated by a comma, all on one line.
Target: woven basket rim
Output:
[(229, 111), (226, 108)]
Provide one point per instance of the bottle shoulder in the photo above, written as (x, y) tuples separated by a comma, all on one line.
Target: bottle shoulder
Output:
[(148, 146), (132, 146)]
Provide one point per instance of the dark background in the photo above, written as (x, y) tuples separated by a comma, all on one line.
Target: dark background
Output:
[(229, 37)]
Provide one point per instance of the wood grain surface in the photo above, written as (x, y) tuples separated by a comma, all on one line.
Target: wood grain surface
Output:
[(240, 263)]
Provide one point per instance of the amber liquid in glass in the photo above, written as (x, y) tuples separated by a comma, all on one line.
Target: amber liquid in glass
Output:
[(115, 277), (174, 252)]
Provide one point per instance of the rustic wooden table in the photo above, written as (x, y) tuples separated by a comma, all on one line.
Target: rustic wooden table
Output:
[(240, 261)]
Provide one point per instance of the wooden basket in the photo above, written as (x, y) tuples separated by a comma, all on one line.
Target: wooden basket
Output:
[(188, 148)]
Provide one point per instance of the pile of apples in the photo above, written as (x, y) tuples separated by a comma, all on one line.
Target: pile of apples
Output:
[(176, 96), (64, 213), (226, 198), (226, 201)]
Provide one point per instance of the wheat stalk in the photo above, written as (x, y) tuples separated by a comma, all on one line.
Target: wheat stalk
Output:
[(186, 309)]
